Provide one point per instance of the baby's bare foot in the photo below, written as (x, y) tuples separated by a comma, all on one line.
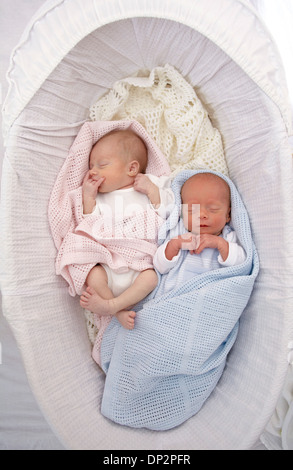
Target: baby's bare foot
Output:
[(126, 318), (92, 301)]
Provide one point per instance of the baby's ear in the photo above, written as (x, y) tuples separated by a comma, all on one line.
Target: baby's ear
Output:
[(133, 168)]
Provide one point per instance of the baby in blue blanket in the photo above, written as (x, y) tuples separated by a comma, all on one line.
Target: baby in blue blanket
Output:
[(206, 209), (161, 373)]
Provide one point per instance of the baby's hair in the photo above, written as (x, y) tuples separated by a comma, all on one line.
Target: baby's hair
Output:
[(133, 146), (211, 177)]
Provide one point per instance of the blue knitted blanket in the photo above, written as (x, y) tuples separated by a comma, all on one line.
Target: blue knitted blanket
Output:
[(160, 373)]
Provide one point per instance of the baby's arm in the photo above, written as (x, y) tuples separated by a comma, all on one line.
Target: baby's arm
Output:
[(144, 185), (158, 189), (230, 252), (167, 254), (236, 253), (90, 188), (186, 241)]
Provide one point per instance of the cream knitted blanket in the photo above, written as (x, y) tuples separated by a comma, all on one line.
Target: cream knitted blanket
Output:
[(170, 111)]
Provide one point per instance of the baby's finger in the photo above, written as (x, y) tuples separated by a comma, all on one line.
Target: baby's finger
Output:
[(87, 177), (201, 246), (99, 181)]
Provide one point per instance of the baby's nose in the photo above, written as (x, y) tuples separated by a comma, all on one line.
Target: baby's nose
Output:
[(202, 213), (93, 172)]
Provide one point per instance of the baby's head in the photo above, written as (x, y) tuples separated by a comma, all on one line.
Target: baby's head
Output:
[(118, 157), (206, 203)]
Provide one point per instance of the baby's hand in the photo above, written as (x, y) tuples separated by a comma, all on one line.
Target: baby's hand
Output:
[(90, 188), (213, 241), (142, 183), (91, 185), (207, 241), (189, 241)]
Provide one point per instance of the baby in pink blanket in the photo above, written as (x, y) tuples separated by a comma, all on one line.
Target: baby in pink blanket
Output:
[(117, 187)]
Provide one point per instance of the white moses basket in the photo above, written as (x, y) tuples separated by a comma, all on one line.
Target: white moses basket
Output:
[(71, 55)]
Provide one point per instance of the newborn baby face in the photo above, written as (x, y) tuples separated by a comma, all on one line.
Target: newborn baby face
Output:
[(108, 161), (206, 204)]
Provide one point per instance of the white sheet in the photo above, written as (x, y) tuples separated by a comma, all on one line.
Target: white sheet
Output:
[(22, 424)]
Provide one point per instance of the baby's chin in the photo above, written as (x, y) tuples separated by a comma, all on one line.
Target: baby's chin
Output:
[(104, 189)]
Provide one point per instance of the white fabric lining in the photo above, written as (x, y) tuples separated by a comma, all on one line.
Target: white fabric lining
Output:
[(51, 48)]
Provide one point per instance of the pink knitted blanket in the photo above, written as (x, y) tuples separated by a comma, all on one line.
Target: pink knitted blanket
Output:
[(83, 242)]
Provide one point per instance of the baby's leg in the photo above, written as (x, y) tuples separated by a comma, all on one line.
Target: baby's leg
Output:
[(97, 282), (144, 283)]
